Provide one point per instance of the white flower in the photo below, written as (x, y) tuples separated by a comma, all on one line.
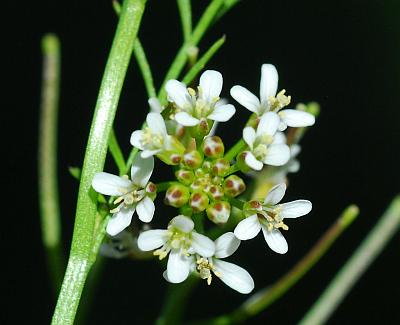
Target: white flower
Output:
[(154, 138), (192, 107), (180, 241), (232, 275), (268, 217), (265, 144), (270, 101), (131, 194)]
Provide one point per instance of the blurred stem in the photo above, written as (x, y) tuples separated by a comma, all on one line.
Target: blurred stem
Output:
[(116, 152), (83, 250), (182, 55), (355, 267), (265, 297), (47, 160), (200, 64), (185, 12), (175, 301)]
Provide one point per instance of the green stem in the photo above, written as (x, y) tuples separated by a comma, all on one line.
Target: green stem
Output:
[(163, 186), (185, 12), (182, 55), (81, 255), (200, 64), (356, 266), (265, 297), (47, 160), (238, 147), (144, 67), (116, 152)]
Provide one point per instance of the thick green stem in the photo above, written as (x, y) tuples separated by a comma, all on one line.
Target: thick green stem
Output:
[(81, 255), (355, 267), (47, 160), (238, 147)]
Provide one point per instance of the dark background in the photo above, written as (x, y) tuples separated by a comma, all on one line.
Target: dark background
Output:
[(342, 54)]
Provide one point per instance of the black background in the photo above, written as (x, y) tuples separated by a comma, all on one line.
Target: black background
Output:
[(342, 54)]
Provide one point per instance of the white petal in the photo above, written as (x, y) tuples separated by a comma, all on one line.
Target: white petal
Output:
[(156, 123), (120, 220), (248, 228), (276, 194), (296, 208), (183, 223), (211, 85), (269, 123), (226, 245), (252, 161), (202, 245), (136, 138), (152, 239), (141, 170), (245, 98), (177, 93), (155, 105), (277, 155), (148, 153), (249, 136), (178, 266), (295, 118), (109, 184), (269, 81), (186, 119), (275, 240), (282, 126), (222, 113), (145, 209), (279, 138), (234, 276)]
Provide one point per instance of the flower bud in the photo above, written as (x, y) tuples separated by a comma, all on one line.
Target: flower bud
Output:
[(220, 167), (233, 186), (174, 154), (198, 201), (177, 195), (241, 163), (203, 128), (219, 212), (213, 147), (184, 176), (193, 159), (215, 192), (252, 207), (151, 190)]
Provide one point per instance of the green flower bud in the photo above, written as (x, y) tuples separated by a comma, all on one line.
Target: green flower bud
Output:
[(184, 176), (192, 159), (213, 147), (174, 154), (219, 212), (203, 128), (198, 201), (220, 167), (177, 195), (233, 186), (252, 207), (240, 162), (151, 190), (215, 192)]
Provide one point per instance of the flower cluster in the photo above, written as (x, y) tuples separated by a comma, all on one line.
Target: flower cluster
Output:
[(181, 134)]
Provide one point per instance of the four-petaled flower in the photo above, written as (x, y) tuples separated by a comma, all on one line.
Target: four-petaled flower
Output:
[(268, 216), (270, 101), (266, 146), (131, 194), (192, 108), (180, 241), (231, 274)]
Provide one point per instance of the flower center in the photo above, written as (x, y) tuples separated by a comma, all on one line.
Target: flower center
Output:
[(152, 140), (133, 196), (177, 240), (205, 267), (279, 102), (271, 218)]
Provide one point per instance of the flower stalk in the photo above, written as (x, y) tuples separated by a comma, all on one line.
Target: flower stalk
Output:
[(81, 255)]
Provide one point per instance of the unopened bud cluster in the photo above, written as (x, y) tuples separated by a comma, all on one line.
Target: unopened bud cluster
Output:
[(204, 183)]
